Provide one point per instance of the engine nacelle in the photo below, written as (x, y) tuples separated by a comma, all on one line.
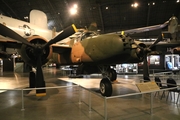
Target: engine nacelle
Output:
[(28, 54), (137, 52)]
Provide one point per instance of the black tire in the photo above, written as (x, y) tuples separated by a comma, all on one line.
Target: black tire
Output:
[(112, 75), (32, 79), (106, 87)]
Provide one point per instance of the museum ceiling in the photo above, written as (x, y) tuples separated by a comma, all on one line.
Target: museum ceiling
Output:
[(110, 15)]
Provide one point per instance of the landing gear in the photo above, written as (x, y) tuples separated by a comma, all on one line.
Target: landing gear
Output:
[(107, 72), (112, 74), (106, 87), (108, 76)]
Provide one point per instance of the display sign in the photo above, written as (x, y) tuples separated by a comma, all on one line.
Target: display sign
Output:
[(172, 62), (154, 59), (147, 86)]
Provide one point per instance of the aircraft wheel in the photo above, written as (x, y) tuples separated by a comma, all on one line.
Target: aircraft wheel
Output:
[(105, 87), (112, 75), (32, 79)]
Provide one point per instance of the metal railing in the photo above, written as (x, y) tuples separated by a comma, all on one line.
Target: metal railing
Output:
[(24, 89), (120, 96), (90, 97)]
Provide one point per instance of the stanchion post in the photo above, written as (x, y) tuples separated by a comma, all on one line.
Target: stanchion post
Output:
[(153, 74), (89, 101), (22, 96), (79, 94), (151, 103), (105, 108)]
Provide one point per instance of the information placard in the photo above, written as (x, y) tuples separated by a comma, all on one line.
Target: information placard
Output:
[(147, 86)]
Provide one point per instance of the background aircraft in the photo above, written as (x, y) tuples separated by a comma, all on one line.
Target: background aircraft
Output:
[(33, 41), (37, 26), (90, 51)]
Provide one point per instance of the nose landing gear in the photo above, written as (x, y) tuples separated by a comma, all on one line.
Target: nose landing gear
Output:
[(106, 87), (109, 75)]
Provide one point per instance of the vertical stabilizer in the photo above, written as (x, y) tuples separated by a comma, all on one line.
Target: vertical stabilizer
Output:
[(38, 18)]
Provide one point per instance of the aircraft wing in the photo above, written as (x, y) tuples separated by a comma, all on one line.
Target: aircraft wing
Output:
[(144, 29), (172, 24), (9, 43), (61, 48), (165, 44)]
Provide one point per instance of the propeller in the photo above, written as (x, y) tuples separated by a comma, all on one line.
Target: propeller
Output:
[(40, 79), (64, 34), (7, 32), (172, 28), (145, 52), (38, 51)]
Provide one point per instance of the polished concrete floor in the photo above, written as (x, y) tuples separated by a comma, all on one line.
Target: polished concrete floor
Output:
[(72, 103)]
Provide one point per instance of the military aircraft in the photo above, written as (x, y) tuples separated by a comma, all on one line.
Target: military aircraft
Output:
[(93, 52), (33, 41), (90, 51)]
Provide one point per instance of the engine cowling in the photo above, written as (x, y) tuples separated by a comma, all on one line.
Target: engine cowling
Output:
[(29, 55), (137, 52)]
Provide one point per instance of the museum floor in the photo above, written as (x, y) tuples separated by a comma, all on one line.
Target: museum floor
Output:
[(72, 103)]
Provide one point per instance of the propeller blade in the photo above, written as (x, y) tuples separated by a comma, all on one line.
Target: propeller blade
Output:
[(6, 32), (145, 63), (40, 79), (64, 34), (145, 67), (160, 37)]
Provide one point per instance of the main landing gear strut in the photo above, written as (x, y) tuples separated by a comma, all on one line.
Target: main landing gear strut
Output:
[(109, 75)]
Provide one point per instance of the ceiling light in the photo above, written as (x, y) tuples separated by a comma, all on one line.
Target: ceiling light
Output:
[(73, 11), (107, 8), (26, 17), (75, 6), (177, 1), (135, 5)]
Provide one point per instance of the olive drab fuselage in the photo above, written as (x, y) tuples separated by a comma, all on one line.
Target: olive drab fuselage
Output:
[(100, 49)]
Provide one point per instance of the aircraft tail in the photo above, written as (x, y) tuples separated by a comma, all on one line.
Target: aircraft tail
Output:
[(38, 18)]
